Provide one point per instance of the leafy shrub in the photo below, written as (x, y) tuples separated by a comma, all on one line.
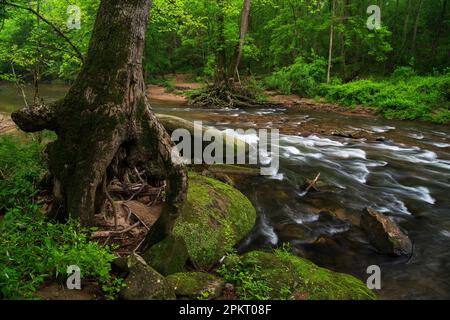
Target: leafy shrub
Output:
[(302, 77), (21, 168), (403, 97), (255, 87), (403, 73), (33, 249), (245, 277)]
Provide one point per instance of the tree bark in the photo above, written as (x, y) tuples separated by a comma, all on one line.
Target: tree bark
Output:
[(405, 25), (221, 74), (416, 26), (243, 33), (439, 29), (330, 49), (105, 124)]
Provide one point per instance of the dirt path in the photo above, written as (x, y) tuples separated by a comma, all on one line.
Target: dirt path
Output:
[(6, 124), (182, 83)]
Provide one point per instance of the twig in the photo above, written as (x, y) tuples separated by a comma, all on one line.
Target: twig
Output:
[(19, 85), (137, 192), (139, 245), (110, 199), (128, 210), (312, 184), (107, 234), (156, 199), (126, 207)]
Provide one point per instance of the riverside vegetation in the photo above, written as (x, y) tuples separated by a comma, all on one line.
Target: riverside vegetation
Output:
[(139, 224)]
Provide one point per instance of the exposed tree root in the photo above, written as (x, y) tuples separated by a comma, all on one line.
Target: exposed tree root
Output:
[(221, 96), (134, 218)]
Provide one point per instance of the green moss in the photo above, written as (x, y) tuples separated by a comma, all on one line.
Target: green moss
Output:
[(196, 284), (290, 277), (167, 257), (216, 216), (145, 283)]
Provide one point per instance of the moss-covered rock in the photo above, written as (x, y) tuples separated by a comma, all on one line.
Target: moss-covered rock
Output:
[(286, 276), (145, 283), (216, 216), (168, 257), (194, 285)]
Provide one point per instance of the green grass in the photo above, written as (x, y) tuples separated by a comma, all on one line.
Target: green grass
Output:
[(32, 248), (408, 98)]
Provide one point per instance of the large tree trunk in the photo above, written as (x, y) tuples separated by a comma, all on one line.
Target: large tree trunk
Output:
[(105, 123), (243, 33)]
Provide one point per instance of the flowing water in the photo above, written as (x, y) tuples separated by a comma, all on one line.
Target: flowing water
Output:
[(404, 173)]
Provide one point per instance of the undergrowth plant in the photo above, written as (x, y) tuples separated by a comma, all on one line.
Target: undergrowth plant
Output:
[(32, 248)]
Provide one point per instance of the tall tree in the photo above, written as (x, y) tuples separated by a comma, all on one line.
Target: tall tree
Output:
[(221, 74), (416, 26), (438, 32), (105, 125), (330, 48), (243, 33)]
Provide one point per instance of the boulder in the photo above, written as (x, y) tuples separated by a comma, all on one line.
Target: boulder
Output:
[(145, 283), (194, 285), (168, 257), (384, 234), (288, 277), (215, 218)]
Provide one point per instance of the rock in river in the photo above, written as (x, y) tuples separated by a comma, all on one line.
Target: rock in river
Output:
[(385, 234)]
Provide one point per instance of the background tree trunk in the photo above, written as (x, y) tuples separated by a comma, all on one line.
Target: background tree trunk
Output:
[(221, 72), (243, 33), (105, 124), (330, 49), (416, 26)]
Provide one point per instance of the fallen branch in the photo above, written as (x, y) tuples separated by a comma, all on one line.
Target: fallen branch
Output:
[(312, 184), (106, 234), (130, 212)]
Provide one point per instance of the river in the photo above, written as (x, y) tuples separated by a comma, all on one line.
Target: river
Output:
[(404, 172)]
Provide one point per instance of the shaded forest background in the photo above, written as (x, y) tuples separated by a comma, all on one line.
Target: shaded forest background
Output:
[(287, 47)]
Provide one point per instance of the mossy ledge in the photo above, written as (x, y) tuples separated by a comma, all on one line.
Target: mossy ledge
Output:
[(289, 277)]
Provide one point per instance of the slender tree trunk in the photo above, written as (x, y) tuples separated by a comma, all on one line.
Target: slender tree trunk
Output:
[(439, 29), (330, 50), (405, 25), (345, 14), (105, 124), (37, 66), (221, 74), (416, 26), (243, 33)]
